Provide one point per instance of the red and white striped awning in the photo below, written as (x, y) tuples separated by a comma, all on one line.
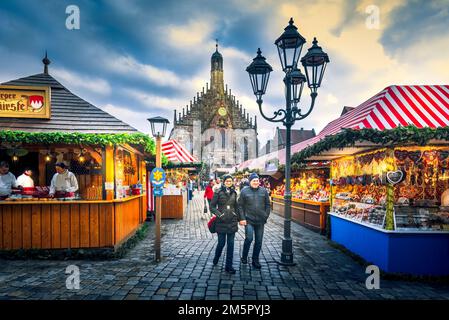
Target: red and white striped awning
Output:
[(418, 105), (175, 152)]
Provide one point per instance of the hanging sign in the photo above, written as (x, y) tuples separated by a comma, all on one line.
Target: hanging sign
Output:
[(157, 177), (158, 192), (24, 102), (394, 177)]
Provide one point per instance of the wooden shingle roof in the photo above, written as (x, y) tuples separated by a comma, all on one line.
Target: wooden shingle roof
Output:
[(69, 113)]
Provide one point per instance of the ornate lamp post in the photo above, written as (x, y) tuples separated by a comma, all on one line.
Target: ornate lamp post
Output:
[(289, 46), (158, 129)]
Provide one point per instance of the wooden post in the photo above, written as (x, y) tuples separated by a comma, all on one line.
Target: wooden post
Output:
[(42, 170), (389, 218), (157, 242), (109, 171)]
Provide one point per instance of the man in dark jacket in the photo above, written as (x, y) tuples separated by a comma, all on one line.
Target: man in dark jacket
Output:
[(254, 207), (224, 206)]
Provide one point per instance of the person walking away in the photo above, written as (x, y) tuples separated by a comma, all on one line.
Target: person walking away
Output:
[(224, 205), (209, 192), (254, 209)]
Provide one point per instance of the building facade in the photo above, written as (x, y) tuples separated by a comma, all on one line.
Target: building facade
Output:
[(215, 127)]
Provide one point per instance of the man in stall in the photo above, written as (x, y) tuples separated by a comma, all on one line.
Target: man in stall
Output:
[(63, 182), (7, 180), (25, 179)]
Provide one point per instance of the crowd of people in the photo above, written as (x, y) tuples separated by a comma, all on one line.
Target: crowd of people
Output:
[(233, 202)]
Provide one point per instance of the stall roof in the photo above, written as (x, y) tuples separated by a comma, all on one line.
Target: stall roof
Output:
[(419, 105), (69, 113), (176, 153), (405, 105)]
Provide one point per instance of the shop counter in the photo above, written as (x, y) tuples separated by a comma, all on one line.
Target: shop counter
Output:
[(173, 206), (308, 213), (64, 224), (424, 253)]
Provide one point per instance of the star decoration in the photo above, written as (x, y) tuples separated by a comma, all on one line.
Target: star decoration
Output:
[(158, 175)]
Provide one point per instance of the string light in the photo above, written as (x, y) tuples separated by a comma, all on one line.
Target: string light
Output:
[(15, 158)]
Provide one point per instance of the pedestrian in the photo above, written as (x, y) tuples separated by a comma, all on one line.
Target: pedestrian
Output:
[(254, 208), (217, 185), (209, 192), (243, 183), (224, 205)]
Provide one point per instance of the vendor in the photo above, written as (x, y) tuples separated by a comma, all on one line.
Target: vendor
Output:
[(25, 179), (63, 180), (7, 180)]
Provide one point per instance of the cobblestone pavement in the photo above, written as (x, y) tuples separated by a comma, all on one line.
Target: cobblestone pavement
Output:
[(187, 272)]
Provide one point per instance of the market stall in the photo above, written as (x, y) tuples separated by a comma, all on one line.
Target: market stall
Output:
[(174, 200), (310, 196), (105, 156), (182, 166), (389, 183)]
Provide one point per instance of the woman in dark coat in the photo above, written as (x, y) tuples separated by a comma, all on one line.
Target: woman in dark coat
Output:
[(224, 206)]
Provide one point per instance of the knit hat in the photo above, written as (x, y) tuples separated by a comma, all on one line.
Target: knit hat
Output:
[(227, 176), (253, 176)]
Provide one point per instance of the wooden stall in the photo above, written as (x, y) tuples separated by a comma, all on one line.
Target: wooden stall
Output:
[(54, 224), (107, 157), (308, 213)]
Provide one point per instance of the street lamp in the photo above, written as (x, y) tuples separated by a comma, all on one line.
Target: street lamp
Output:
[(289, 46), (158, 129)]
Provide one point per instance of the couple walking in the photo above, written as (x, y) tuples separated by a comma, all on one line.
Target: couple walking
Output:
[(251, 209)]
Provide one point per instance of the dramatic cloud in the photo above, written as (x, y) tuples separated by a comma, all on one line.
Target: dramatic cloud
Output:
[(77, 81)]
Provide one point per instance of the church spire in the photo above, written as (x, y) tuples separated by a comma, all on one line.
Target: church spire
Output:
[(216, 73)]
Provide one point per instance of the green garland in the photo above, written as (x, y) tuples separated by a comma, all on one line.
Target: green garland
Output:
[(171, 165), (399, 136), (100, 139)]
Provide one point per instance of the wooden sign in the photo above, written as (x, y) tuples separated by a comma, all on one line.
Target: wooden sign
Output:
[(25, 102)]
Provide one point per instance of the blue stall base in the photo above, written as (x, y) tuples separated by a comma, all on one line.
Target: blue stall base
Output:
[(407, 252)]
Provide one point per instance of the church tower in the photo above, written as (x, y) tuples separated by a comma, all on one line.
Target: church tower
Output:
[(214, 126), (216, 72)]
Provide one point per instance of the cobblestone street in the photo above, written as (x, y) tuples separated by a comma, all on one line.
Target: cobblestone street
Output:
[(187, 272)]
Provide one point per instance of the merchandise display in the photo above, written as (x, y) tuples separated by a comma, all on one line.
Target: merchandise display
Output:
[(419, 181), (310, 185)]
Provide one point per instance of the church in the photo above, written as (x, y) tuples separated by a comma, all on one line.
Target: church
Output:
[(215, 127)]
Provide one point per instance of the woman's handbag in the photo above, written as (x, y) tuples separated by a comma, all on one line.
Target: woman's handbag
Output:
[(212, 223), (205, 206)]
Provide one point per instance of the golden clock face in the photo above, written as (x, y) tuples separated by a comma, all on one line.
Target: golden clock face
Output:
[(222, 111)]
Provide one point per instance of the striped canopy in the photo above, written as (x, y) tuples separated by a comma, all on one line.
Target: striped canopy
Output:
[(175, 152), (418, 105)]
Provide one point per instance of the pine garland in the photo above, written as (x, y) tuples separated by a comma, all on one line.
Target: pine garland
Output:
[(100, 139)]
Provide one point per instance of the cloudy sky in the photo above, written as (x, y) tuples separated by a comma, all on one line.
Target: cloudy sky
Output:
[(136, 59)]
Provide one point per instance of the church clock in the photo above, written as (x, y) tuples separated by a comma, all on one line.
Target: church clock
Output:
[(222, 111)]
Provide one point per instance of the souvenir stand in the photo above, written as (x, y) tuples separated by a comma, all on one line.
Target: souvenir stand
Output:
[(310, 195), (389, 183)]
